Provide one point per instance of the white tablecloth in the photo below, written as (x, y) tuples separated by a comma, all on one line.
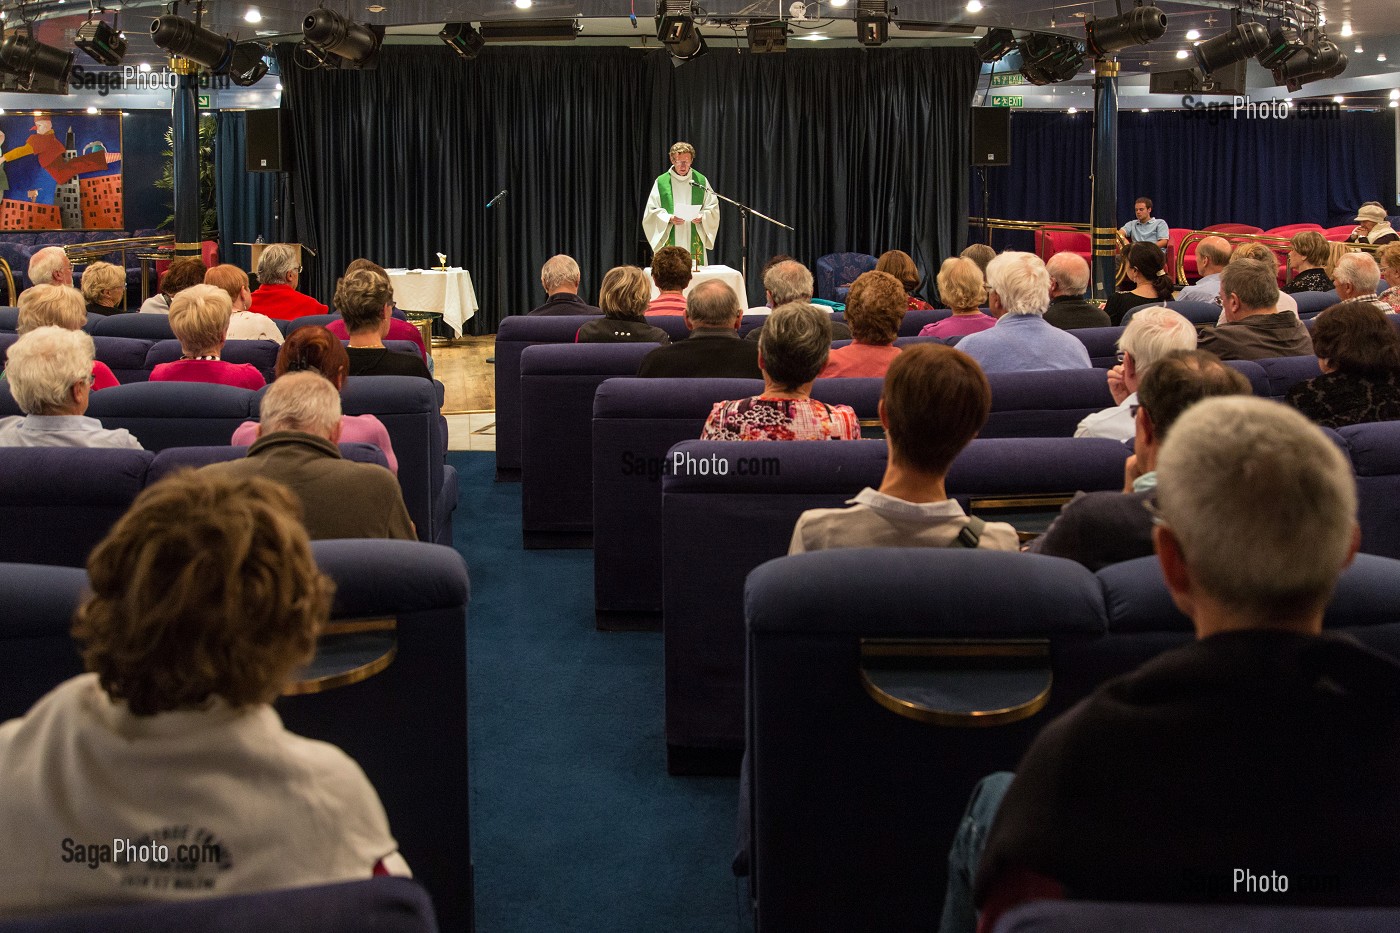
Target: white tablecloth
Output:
[(449, 293), (731, 277)]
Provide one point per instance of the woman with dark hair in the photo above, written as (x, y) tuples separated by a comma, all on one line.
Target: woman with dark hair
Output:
[(1144, 267), (901, 265), (1359, 355), (316, 349), (1308, 253), (623, 298)]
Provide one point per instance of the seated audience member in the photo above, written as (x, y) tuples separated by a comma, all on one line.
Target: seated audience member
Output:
[(316, 349), (935, 401), (901, 265), (1308, 253), (767, 308), (713, 349), (795, 344), (296, 446), (59, 306), (1372, 226), (623, 298), (181, 274), (1264, 745), (199, 316), (1069, 280), (1022, 340), (670, 270), (242, 324), (205, 599), (1144, 267), (1254, 328), (50, 266), (398, 330), (1260, 253), (962, 287), (790, 282), (1212, 256), (1388, 258), (1359, 355), (104, 288), (49, 370), (1357, 276), (874, 309), (1144, 228), (365, 302), (279, 273), (1149, 336), (981, 254), (561, 278), (1101, 528)]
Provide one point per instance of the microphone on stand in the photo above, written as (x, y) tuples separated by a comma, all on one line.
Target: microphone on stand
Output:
[(493, 201)]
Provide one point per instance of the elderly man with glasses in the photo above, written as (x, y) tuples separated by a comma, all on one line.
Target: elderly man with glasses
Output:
[(279, 272)]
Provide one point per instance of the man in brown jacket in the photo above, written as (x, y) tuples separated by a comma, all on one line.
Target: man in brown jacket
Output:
[(1254, 328)]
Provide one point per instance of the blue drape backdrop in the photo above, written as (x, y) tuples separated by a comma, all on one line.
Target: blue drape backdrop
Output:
[(246, 200)]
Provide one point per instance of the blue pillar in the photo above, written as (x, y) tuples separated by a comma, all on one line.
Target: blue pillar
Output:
[(1105, 206), (184, 133)]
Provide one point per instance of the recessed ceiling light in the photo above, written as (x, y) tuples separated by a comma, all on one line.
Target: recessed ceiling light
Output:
[(1393, 103), (1338, 99), (1380, 57), (974, 6), (524, 4), (1182, 53), (252, 16), (811, 37), (144, 67), (1395, 95), (92, 110), (1346, 28), (376, 8), (1144, 110), (1192, 35), (1359, 49), (279, 85), (1073, 110), (838, 2)]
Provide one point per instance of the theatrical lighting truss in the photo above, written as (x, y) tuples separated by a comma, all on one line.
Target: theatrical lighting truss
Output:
[(1138, 26), (335, 41), (463, 39), (32, 63), (1047, 59), (101, 41), (994, 45), (872, 22)]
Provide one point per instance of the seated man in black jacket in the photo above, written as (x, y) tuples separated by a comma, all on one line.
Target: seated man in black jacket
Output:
[(713, 349), (1256, 764)]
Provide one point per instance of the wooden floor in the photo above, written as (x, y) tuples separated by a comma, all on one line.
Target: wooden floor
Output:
[(470, 380)]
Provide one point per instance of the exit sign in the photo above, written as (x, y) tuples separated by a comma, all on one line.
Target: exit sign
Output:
[(1005, 100), (1007, 80), (203, 101)]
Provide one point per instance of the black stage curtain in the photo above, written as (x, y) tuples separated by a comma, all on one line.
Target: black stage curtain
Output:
[(860, 150)]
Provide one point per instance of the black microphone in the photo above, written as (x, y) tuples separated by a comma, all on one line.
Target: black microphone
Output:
[(492, 202)]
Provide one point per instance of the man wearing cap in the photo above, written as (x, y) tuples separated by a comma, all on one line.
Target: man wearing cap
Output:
[(682, 210), (1372, 226)]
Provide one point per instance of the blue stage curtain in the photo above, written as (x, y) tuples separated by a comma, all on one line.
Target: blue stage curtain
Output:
[(857, 149), (246, 200)]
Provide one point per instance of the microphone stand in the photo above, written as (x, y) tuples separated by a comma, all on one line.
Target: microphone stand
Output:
[(744, 212)]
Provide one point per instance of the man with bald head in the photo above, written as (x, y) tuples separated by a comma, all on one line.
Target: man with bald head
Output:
[(790, 281), (1212, 256), (1069, 279), (713, 349), (50, 266), (561, 279)]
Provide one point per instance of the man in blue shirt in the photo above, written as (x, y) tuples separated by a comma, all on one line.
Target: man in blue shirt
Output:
[(1019, 293), (1146, 228)]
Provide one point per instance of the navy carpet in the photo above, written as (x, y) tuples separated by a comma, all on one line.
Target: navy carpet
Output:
[(575, 823)]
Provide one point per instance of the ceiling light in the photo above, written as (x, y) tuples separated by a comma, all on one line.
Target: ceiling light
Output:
[(462, 39), (994, 45), (1144, 110), (182, 38), (675, 21), (247, 65), (1047, 59), (1393, 103), (839, 3), (1346, 29), (252, 16), (27, 59), (92, 110), (1072, 110), (1182, 53), (811, 37), (767, 38), (101, 42), (523, 4), (1380, 57), (1395, 95), (144, 67), (872, 22), (1338, 99), (1358, 50), (1138, 26), (1232, 46), (974, 6), (1295, 59), (1192, 35), (329, 33)]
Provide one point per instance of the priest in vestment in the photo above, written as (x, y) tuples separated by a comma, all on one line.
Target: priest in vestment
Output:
[(665, 225)]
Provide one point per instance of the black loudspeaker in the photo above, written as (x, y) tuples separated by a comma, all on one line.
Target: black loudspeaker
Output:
[(991, 136), (265, 149)]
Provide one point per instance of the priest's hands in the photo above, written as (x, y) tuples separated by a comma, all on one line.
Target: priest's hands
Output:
[(677, 221)]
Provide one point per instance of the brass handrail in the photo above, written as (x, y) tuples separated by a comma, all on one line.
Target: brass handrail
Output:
[(1274, 241), (9, 281)]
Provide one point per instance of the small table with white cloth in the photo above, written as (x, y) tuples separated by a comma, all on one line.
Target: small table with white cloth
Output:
[(726, 274), (448, 293)]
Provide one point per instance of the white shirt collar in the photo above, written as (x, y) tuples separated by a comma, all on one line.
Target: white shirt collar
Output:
[(889, 505)]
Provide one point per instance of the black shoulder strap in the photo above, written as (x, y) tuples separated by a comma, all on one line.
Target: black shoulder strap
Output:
[(971, 535)]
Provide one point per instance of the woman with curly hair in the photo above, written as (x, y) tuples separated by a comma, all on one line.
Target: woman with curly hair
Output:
[(1359, 355)]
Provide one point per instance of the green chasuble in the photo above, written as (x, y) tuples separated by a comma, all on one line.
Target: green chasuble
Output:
[(668, 204)]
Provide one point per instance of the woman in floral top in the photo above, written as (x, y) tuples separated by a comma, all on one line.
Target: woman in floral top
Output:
[(792, 351)]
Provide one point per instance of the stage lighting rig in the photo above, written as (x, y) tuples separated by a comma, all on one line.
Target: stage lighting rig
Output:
[(463, 39), (675, 27), (1298, 59), (102, 42), (1240, 43), (872, 22), (1138, 26), (188, 40), (994, 45), (1049, 59), (767, 38), (31, 61), (247, 65), (330, 35)]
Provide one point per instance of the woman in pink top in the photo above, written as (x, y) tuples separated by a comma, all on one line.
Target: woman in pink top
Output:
[(962, 288), (199, 316), (670, 270), (318, 350), (398, 330), (874, 309)]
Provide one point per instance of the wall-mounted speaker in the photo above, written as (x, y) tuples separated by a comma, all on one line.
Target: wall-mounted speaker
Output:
[(991, 136), (266, 151)]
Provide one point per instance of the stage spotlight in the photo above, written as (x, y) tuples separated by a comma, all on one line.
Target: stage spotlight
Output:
[(1315, 58), (872, 22), (1049, 59), (767, 38), (675, 21), (689, 49), (247, 65), (329, 32), (1283, 42), (994, 45), (1138, 26), (463, 39), (30, 60), (103, 43), (1237, 44), (180, 37)]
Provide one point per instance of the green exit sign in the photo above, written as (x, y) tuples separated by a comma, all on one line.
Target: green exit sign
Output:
[(1007, 80), (203, 101), (1005, 100)]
